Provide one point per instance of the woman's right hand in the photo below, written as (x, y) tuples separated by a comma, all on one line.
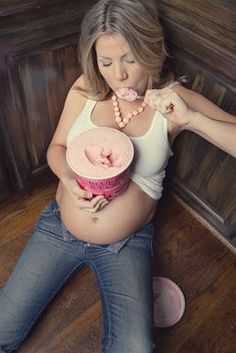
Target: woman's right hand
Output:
[(170, 104), (83, 199)]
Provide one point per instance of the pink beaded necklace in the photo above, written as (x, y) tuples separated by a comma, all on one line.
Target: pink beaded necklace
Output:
[(123, 121)]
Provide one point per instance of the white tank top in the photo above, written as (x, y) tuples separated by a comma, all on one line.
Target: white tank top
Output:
[(151, 150)]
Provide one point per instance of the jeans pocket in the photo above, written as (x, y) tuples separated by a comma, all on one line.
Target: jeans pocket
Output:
[(49, 222), (116, 247), (67, 236), (143, 237)]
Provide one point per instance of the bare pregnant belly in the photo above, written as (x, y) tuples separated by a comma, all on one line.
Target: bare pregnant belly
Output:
[(120, 218)]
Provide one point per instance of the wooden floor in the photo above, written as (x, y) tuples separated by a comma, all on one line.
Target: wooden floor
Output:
[(184, 251)]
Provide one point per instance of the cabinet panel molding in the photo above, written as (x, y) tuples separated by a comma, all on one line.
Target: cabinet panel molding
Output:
[(38, 64), (201, 41)]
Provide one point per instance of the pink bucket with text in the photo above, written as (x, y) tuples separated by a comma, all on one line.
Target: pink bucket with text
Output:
[(109, 181)]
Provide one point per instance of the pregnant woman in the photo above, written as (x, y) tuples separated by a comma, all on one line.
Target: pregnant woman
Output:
[(121, 48)]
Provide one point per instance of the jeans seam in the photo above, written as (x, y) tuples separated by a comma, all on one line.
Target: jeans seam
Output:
[(94, 267)]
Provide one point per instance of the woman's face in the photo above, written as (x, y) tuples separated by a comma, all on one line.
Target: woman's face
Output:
[(117, 64)]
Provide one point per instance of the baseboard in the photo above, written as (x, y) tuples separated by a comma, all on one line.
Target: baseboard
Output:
[(206, 211)]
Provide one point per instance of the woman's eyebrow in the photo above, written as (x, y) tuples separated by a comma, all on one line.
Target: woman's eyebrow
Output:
[(106, 58), (103, 57)]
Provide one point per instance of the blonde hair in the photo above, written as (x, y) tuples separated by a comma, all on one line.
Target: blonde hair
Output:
[(137, 21)]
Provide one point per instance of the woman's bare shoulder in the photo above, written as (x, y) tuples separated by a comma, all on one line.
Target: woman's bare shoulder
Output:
[(74, 104), (76, 98)]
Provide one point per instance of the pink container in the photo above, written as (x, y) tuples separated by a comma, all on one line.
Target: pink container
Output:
[(169, 302), (85, 156)]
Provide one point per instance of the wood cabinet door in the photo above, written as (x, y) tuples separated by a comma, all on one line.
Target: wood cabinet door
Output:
[(38, 64), (201, 37)]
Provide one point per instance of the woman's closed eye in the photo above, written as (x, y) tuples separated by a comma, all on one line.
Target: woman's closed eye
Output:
[(129, 61), (106, 63)]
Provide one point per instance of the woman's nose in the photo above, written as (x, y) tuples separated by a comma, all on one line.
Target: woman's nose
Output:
[(120, 73)]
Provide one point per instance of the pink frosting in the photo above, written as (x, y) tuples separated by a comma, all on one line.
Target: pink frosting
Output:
[(102, 156), (128, 94), (100, 152)]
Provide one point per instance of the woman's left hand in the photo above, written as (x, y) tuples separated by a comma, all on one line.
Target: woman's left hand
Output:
[(170, 104)]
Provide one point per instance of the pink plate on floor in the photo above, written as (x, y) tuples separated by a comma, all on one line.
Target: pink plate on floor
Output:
[(169, 302)]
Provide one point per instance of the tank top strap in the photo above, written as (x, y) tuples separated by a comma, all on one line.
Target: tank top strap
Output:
[(88, 107), (161, 121), (83, 121)]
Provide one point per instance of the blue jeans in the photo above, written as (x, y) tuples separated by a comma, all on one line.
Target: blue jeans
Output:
[(52, 254)]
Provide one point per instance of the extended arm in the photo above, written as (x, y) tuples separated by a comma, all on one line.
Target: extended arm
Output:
[(220, 133), (188, 110)]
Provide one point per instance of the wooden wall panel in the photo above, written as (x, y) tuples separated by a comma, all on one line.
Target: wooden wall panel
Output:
[(38, 64), (10, 7), (204, 29), (44, 80), (201, 39), (4, 187)]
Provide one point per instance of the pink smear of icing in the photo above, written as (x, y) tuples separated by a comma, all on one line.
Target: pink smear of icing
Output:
[(103, 157), (128, 94)]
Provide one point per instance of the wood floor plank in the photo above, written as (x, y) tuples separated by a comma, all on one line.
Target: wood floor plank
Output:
[(184, 251), (204, 268)]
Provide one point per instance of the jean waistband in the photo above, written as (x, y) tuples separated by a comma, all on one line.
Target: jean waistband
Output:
[(113, 247)]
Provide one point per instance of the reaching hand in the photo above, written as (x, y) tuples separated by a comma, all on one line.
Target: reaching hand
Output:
[(84, 199), (170, 104)]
